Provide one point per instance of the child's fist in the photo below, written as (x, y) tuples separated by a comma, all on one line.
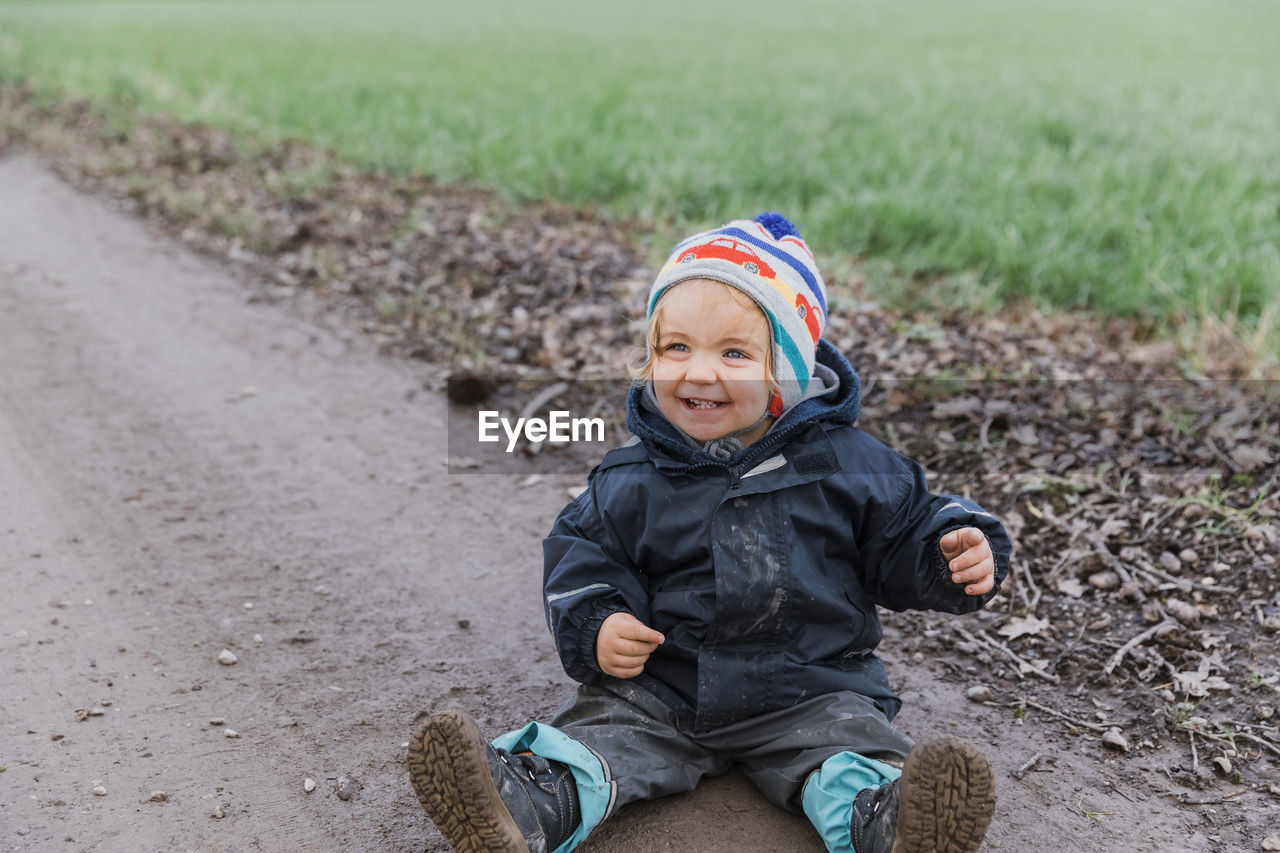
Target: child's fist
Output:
[(623, 644), (968, 556)]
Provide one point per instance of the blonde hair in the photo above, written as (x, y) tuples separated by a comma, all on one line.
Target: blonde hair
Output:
[(641, 367)]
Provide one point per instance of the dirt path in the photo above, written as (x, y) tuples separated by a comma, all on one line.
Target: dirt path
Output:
[(183, 471)]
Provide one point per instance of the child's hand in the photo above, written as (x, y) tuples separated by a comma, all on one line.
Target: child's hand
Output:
[(623, 645), (968, 556)]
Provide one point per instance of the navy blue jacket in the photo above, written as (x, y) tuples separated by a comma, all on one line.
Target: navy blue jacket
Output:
[(762, 571)]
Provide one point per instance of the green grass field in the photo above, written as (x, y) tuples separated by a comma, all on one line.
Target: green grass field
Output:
[(1079, 152)]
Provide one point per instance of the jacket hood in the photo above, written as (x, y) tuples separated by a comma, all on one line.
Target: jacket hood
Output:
[(840, 404)]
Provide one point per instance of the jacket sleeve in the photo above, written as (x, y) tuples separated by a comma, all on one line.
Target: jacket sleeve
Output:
[(586, 578), (901, 551)]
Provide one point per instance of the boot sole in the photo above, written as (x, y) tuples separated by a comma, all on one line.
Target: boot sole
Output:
[(946, 800), (449, 771)]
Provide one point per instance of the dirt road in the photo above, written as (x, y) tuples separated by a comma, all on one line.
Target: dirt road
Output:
[(185, 471)]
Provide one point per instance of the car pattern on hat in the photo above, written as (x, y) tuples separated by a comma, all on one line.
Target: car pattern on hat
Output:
[(731, 250)]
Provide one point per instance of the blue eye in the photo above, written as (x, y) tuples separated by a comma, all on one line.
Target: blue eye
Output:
[(736, 353)]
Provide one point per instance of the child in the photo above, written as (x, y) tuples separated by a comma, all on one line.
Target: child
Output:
[(715, 588)]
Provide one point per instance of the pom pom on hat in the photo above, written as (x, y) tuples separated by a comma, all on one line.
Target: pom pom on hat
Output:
[(778, 225), (766, 259)]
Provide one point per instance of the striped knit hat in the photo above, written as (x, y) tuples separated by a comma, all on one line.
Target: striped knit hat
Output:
[(765, 259)]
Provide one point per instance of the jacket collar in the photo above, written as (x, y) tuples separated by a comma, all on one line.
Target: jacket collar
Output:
[(668, 448)]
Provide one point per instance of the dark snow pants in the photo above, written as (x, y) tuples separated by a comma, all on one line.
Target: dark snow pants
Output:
[(643, 752)]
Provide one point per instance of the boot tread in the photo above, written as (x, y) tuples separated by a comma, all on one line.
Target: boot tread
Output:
[(947, 798), (449, 771)]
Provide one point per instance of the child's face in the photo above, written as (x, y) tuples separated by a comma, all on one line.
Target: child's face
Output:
[(709, 373)]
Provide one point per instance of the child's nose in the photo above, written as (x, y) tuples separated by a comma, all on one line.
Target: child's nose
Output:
[(701, 369)]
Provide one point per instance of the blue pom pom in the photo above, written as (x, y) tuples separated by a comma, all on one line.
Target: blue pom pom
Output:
[(777, 225)]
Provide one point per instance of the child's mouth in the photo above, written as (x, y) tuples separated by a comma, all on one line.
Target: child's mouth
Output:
[(702, 405)]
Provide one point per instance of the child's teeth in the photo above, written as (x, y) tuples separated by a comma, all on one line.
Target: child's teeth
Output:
[(703, 404)]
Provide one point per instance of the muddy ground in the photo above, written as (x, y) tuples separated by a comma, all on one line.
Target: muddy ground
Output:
[(188, 466)]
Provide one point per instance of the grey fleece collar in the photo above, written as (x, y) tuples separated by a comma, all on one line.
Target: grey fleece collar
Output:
[(823, 382)]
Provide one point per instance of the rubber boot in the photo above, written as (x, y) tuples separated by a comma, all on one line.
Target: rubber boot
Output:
[(485, 800), (942, 803)]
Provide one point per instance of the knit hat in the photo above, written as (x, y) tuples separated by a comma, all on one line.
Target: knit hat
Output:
[(765, 259)]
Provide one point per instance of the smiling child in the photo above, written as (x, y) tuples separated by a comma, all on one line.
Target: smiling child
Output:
[(715, 590)]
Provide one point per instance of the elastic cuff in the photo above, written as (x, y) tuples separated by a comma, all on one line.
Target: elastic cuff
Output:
[(590, 629), (943, 569), (829, 792), (596, 791)]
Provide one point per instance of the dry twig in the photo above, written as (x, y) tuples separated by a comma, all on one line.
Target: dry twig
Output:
[(1229, 740), (1031, 582), (1151, 528), (1184, 800), (1075, 722), (1092, 539), (1156, 575), (1166, 625), (1026, 765), (1115, 787), (1262, 742), (984, 639), (1245, 725)]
